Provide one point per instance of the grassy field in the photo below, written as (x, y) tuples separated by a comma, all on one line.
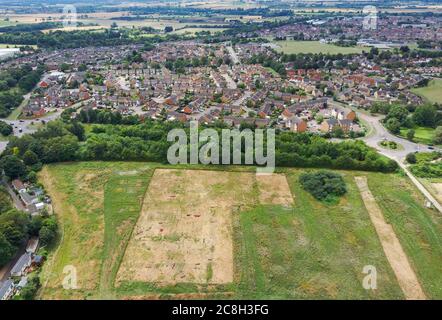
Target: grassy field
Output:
[(305, 250), (290, 46), (5, 23), (432, 92), (97, 206), (192, 31), (421, 134), (419, 230), (123, 195), (313, 250)]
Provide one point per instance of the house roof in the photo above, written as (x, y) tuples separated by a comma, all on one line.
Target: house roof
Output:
[(332, 122), (17, 184), (345, 122), (27, 198), (5, 287), (24, 261)]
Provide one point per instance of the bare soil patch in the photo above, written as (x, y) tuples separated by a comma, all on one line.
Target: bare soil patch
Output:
[(184, 233), (274, 189), (393, 250)]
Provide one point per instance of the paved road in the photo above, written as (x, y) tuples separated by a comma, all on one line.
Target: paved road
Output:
[(380, 133), (29, 126), (245, 96), (206, 112), (233, 55), (5, 272), (22, 127)]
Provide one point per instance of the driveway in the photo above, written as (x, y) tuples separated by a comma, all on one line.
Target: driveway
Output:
[(245, 96)]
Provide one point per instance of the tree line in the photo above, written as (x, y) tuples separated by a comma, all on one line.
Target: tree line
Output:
[(409, 116), (28, 27), (16, 227), (67, 140)]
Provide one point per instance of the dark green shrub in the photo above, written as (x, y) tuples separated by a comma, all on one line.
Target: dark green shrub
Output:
[(411, 158), (323, 185)]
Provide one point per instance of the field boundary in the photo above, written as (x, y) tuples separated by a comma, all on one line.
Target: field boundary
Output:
[(60, 239), (393, 250), (109, 285)]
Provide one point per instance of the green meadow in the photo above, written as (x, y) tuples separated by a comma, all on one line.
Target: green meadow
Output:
[(311, 250)]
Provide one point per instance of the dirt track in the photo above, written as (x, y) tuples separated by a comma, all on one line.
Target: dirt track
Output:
[(393, 250)]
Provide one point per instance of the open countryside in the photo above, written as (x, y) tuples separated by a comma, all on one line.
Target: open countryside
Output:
[(296, 249), (294, 47)]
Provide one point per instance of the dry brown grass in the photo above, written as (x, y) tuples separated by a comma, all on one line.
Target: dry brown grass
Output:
[(41, 17), (274, 189), (437, 190)]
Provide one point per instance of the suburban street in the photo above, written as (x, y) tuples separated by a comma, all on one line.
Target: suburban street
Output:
[(233, 55), (22, 127), (15, 199), (245, 96), (378, 133)]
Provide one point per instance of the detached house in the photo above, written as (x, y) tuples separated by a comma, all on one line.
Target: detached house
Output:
[(296, 124), (18, 185), (330, 124)]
